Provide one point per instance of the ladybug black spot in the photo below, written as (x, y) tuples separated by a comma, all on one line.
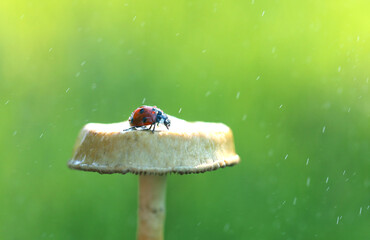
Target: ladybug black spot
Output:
[(141, 111), (144, 119)]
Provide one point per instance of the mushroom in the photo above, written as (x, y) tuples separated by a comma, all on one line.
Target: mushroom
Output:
[(188, 147)]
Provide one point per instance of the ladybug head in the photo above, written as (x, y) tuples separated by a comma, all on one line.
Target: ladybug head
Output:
[(162, 118), (167, 122)]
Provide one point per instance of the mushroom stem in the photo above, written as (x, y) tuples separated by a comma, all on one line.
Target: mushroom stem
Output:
[(152, 199)]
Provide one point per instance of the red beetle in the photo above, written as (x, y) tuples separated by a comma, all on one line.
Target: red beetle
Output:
[(148, 115)]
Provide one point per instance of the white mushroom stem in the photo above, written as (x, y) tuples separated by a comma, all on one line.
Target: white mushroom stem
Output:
[(152, 209)]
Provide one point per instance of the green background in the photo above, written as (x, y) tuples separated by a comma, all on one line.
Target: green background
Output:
[(291, 78)]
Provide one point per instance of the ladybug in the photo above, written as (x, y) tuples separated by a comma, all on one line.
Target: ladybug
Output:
[(148, 115)]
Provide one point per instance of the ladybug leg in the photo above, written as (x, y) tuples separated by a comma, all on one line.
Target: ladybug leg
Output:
[(153, 128), (145, 128), (128, 129)]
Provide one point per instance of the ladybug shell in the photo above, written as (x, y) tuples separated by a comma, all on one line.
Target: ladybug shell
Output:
[(142, 116)]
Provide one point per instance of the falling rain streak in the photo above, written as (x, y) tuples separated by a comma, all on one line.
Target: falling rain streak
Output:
[(338, 219)]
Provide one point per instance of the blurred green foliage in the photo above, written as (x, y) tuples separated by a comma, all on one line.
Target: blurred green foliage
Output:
[(291, 79)]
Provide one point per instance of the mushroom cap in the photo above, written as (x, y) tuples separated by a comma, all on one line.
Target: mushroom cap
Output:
[(188, 147)]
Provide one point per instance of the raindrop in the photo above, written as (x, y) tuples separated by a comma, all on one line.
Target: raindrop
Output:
[(83, 63), (270, 153), (226, 227), (281, 106), (308, 160), (204, 50), (237, 95), (42, 134), (349, 109), (180, 110), (177, 34), (286, 156), (339, 68), (360, 210), (252, 1), (134, 19), (263, 13), (77, 74), (50, 49), (308, 181), (323, 129), (67, 90), (14, 133), (244, 117), (358, 38), (143, 101), (339, 218), (258, 78), (268, 136), (215, 7), (295, 201), (208, 93), (326, 105), (327, 189), (7, 102), (327, 180), (344, 172)]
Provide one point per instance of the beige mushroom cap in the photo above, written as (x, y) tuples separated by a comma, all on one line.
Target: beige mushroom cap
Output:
[(188, 147)]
